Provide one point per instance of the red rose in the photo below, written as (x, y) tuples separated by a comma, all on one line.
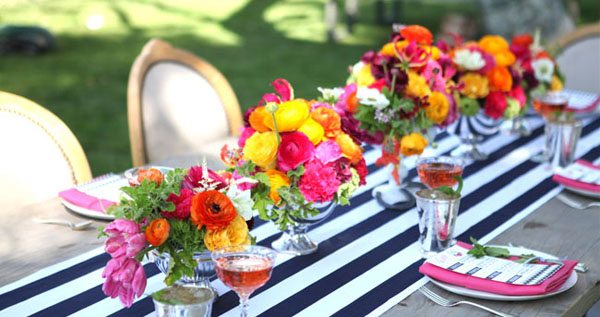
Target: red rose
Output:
[(518, 94), (495, 104), (295, 149), (183, 203), (361, 168)]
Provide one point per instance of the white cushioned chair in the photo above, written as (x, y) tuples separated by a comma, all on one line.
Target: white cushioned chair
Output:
[(579, 58), (40, 155), (179, 105)]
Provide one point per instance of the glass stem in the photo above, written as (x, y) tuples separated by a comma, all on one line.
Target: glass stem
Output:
[(244, 306)]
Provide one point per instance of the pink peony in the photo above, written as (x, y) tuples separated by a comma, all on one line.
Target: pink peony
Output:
[(125, 278), (124, 238), (361, 168), (246, 133), (183, 203), (319, 182), (328, 151), (295, 149), (195, 176), (518, 94), (495, 104)]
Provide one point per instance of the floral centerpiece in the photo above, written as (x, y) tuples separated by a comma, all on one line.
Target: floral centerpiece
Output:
[(179, 213), (299, 154), (398, 93)]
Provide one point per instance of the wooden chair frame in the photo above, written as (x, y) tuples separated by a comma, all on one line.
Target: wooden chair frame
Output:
[(157, 51), (61, 135), (577, 35)]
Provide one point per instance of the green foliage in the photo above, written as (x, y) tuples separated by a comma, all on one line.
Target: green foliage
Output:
[(479, 250), (450, 191)]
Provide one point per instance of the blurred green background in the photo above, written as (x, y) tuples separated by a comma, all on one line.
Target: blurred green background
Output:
[(84, 81)]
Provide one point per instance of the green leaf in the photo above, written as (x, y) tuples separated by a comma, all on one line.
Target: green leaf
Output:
[(450, 191)]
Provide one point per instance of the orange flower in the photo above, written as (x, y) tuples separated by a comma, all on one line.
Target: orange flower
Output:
[(157, 231), (438, 107), (493, 44), (505, 58), (522, 39), (417, 33), (212, 209), (350, 150), (352, 102), (329, 119), (257, 119), (417, 85), (412, 144), (235, 233), (151, 174), (277, 179), (500, 79), (474, 85)]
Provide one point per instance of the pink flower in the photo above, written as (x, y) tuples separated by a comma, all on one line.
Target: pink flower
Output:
[(319, 182), (124, 238), (195, 176), (342, 169), (452, 112), (295, 149), (495, 104), (125, 278), (518, 94), (328, 151), (361, 168), (349, 91), (243, 185), (183, 203), (246, 133), (434, 75)]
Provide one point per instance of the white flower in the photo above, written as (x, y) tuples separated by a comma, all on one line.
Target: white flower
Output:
[(331, 93), (469, 60), (543, 69), (372, 97), (242, 201)]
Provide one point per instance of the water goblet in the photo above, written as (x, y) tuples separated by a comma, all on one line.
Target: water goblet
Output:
[(244, 268), (439, 171), (552, 107)]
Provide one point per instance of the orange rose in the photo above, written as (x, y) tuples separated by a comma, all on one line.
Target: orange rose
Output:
[(350, 150), (157, 231), (257, 119), (417, 33), (151, 174), (500, 79), (212, 209), (277, 179), (329, 119), (235, 233), (412, 144)]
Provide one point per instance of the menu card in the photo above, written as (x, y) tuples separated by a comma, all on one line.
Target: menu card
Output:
[(457, 260), (581, 171)]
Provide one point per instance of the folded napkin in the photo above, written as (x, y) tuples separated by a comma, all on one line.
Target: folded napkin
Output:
[(84, 200), (580, 175), (551, 284)]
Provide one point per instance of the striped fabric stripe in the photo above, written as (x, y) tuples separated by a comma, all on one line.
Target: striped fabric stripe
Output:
[(367, 259)]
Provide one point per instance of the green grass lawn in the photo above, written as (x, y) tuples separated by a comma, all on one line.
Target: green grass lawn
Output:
[(252, 42)]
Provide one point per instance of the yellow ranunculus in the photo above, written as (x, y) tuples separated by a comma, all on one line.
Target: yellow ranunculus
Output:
[(493, 44), (235, 233), (388, 49), (474, 86), (290, 115), (412, 144), (556, 84), (364, 76), (434, 51), (417, 86), (350, 150), (438, 108), (313, 130), (261, 148), (277, 179), (257, 119)]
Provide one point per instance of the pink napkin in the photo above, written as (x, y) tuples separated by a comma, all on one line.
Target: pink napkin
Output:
[(84, 200), (549, 285), (569, 182)]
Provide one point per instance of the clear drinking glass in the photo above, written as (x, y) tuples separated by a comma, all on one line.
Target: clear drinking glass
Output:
[(437, 216), (183, 301), (561, 142), (552, 107), (244, 268), (439, 171)]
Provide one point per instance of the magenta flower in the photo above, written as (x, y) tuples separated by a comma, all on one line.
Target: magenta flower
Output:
[(195, 177), (328, 151), (319, 183), (124, 238), (295, 149), (183, 203), (125, 278)]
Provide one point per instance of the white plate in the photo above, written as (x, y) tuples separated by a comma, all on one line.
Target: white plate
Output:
[(583, 192), (570, 282), (88, 213)]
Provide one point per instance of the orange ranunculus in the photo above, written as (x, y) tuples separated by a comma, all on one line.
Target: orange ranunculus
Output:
[(350, 150), (500, 79), (505, 58), (522, 39), (235, 233), (257, 119), (438, 108), (290, 115), (212, 209), (352, 102), (493, 44), (157, 231), (151, 174), (417, 33), (388, 49), (412, 144), (329, 119), (474, 85), (417, 85), (261, 148), (277, 179), (313, 130)]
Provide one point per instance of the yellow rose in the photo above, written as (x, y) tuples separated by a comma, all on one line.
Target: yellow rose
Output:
[(388, 49), (350, 150), (364, 76), (277, 179), (417, 85), (438, 107), (556, 84), (261, 148), (474, 86), (235, 233), (493, 44), (412, 144), (257, 119), (290, 115), (313, 130)]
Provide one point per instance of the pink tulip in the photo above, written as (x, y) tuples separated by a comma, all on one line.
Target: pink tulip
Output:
[(125, 278), (124, 238)]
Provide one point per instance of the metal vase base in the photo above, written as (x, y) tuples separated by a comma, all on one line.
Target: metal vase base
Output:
[(519, 127), (469, 150), (295, 241)]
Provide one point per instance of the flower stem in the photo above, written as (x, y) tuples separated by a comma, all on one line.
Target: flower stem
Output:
[(276, 129)]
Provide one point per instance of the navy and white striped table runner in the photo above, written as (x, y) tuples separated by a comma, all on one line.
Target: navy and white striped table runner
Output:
[(367, 259)]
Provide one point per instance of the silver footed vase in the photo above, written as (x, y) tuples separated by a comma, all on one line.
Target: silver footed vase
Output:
[(471, 130)]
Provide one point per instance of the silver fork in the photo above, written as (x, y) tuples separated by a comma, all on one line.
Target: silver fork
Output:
[(577, 204), (448, 303)]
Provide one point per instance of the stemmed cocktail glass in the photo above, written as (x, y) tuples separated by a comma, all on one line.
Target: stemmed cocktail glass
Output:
[(439, 171)]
